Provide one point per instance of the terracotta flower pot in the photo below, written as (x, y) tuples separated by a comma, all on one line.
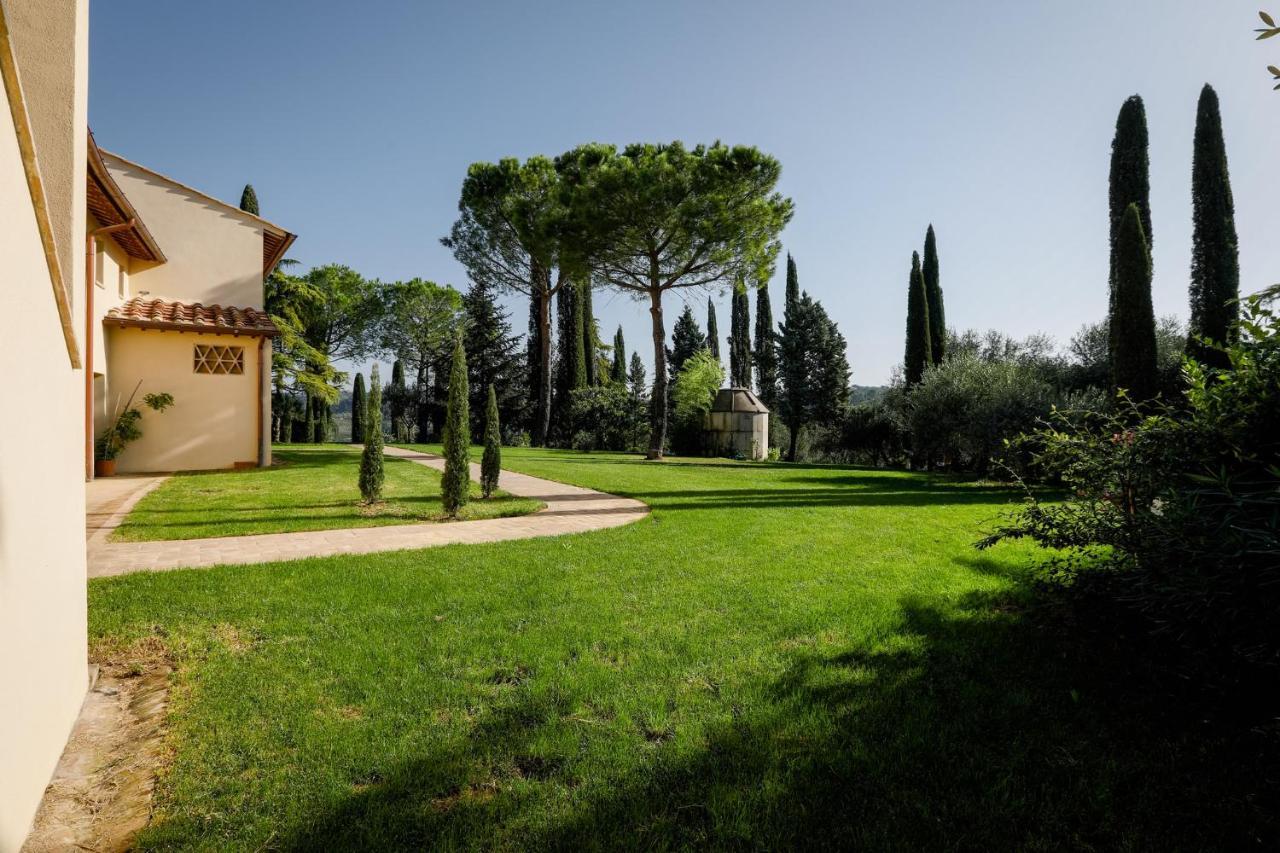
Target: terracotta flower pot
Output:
[(104, 468)]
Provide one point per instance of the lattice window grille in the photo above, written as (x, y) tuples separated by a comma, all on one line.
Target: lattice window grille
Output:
[(218, 360)]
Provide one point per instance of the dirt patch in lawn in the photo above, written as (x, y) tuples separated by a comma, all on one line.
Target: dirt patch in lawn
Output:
[(101, 792)]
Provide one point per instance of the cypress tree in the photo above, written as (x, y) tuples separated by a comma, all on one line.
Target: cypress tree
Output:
[(933, 289), (1215, 254), (713, 331), (493, 356), (588, 335), (740, 339), (371, 472), (399, 403), (533, 370), (455, 485), (1133, 322), (249, 200), (491, 462), (686, 339), (618, 370), (919, 351), (792, 295), (766, 351), (815, 368), (357, 410), (1130, 181), (636, 377)]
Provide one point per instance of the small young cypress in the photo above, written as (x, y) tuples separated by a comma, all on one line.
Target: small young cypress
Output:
[(1133, 322), (919, 351), (1215, 254), (357, 410), (249, 200), (740, 339), (713, 332), (491, 462), (618, 370), (933, 288), (455, 485), (371, 472)]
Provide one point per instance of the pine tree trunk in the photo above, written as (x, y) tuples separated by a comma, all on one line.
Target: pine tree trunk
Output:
[(658, 404)]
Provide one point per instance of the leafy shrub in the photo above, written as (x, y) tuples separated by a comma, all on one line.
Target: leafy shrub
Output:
[(124, 430), (693, 392), (873, 434), (1176, 511), (607, 417), (963, 410)]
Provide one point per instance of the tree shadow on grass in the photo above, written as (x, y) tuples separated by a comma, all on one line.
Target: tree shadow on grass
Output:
[(978, 725)]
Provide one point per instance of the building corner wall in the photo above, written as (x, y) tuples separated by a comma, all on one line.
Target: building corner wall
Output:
[(43, 617)]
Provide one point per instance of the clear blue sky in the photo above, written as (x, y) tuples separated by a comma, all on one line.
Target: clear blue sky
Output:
[(993, 120)]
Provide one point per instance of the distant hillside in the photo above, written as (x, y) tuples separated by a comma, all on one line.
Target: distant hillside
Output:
[(866, 393)]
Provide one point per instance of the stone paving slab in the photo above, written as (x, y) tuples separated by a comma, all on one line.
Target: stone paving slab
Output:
[(569, 509)]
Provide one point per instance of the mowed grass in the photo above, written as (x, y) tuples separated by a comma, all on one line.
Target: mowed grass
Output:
[(777, 657), (309, 487)]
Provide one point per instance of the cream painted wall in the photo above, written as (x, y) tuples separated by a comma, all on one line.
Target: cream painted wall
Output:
[(43, 640), (214, 252), (213, 422), (57, 92)]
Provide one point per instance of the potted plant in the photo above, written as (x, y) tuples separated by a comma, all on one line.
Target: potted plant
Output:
[(123, 430)]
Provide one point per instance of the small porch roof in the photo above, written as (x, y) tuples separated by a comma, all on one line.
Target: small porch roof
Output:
[(140, 313)]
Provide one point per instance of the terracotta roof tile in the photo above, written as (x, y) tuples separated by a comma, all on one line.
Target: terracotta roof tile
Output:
[(210, 319)]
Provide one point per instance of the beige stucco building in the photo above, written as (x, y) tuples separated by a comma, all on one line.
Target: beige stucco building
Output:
[(43, 667), (177, 298)]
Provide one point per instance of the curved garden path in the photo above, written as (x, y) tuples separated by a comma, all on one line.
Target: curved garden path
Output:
[(569, 509)]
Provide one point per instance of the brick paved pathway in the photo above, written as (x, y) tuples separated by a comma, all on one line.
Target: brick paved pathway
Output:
[(569, 509)]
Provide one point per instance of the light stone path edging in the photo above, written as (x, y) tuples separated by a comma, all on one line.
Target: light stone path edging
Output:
[(569, 509)]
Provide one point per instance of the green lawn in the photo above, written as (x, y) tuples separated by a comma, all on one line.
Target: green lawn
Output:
[(778, 656), (310, 487)]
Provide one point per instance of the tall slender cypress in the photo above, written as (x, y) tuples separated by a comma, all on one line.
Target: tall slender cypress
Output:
[(588, 334), (766, 351), (1133, 321), (1130, 181), (455, 485), (249, 200), (491, 462), (398, 404), (371, 470), (740, 339), (792, 296), (1215, 253), (533, 368), (713, 331), (358, 413), (618, 370), (919, 351), (933, 289)]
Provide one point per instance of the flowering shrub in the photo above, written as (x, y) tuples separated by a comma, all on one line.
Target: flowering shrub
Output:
[(1176, 511)]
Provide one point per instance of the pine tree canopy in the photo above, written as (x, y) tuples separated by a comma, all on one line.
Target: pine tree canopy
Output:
[(919, 349), (1215, 254), (1133, 324), (933, 289)]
